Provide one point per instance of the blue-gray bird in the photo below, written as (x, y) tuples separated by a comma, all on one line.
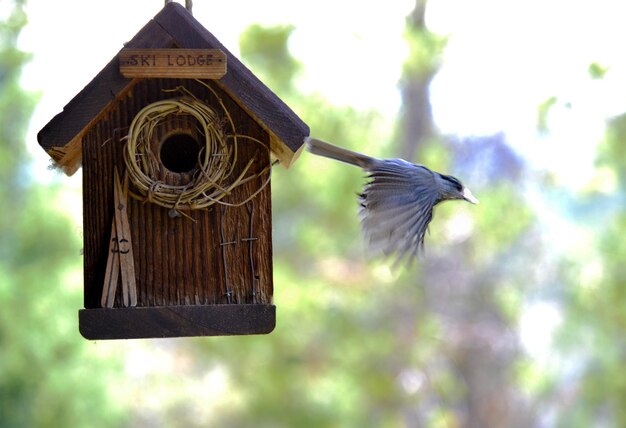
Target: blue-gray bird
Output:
[(397, 203)]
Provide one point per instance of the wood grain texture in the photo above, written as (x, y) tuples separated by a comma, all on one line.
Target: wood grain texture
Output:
[(172, 63), (124, 243), (179, 261), (112, 272), (176, 321)]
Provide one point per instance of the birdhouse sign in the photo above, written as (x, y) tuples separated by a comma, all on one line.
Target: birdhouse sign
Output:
[(177, 139)]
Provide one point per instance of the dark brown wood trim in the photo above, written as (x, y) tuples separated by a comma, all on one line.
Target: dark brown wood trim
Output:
[(176, 321), (88, 104)]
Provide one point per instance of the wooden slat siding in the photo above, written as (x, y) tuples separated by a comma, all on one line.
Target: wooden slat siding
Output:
[(262, 230), (177, 261), (215, 263), (100, 156), (156, 264), (141, 251), (88, 106), (239, 81), (263, 264)]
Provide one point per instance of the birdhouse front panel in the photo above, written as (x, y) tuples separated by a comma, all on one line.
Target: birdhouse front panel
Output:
[(183, 255), (176, 185)]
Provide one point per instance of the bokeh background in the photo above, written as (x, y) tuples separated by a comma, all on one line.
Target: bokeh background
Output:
[(513, 317)]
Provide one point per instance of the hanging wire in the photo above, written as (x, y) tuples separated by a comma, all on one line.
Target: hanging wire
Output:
[(188, 5)]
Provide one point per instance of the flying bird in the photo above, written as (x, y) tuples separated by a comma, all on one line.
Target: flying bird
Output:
[(397, 202)]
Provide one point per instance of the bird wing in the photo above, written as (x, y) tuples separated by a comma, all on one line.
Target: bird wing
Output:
[(396, 207)]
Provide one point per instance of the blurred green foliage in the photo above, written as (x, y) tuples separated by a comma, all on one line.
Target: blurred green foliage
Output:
[(268, 48), (47, 377), (591, 339), (597, 71), (357, 344)]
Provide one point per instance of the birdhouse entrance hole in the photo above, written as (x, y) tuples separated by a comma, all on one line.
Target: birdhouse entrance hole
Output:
[(179, 152)]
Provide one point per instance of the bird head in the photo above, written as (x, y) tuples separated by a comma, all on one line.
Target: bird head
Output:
[(450, 188)]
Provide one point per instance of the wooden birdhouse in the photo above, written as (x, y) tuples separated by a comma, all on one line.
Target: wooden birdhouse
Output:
[(176, 138)]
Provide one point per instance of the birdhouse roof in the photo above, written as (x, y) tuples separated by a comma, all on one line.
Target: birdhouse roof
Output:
[(172, 27)]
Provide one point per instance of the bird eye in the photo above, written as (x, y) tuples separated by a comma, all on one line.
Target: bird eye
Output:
[(457, 185)]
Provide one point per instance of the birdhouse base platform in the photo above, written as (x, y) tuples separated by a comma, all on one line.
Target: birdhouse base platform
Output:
[(176, 321)]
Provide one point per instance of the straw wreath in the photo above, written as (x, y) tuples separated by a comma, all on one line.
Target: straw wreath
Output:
[(213, 179)]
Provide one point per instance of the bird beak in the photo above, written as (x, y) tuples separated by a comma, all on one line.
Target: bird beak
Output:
[(467, 195)]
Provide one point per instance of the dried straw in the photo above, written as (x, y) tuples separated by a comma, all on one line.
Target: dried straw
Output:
[(212, 181)]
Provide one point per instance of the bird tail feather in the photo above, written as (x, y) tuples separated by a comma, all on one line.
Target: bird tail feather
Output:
[(322, 148)]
